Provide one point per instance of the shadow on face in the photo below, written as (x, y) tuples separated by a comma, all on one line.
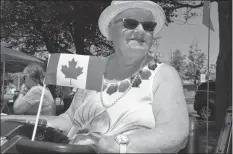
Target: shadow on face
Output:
[(29, 81)]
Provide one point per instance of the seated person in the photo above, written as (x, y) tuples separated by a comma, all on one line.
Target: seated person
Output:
[(30, 93), (141, 107)]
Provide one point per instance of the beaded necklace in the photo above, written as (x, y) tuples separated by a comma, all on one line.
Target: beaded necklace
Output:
[(127, 90)]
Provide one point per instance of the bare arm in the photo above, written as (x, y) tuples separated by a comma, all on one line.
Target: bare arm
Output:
[(171, 117), (21, 105), (65, 120), (62, 122)]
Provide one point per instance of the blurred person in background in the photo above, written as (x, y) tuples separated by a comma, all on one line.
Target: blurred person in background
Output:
[(11, 88), (67, 96), (30, 93)]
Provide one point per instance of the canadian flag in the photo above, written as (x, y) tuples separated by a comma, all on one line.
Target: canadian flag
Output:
[(74, 70)]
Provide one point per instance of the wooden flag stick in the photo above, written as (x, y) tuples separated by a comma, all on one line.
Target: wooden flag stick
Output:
[(38, 113)]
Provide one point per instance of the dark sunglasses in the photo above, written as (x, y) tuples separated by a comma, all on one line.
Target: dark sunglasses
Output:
[(132, 24)]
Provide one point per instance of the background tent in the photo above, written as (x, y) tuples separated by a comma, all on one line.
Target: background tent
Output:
[(16, 61), (13, 61)]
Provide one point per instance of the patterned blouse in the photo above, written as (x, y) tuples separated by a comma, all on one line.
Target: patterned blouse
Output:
[(133, 111)]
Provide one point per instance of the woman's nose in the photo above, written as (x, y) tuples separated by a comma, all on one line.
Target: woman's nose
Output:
[(139, 30)]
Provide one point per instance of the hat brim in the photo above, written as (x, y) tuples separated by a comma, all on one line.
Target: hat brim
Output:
[(113, 10)]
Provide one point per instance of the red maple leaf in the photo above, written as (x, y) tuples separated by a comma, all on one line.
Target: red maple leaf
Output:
[(72, 71)]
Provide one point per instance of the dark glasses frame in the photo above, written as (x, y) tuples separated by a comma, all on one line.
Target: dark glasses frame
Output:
[(148, 26)]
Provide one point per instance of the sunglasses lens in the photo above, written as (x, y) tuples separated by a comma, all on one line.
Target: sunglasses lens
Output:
[(130, 23), (149, 26)]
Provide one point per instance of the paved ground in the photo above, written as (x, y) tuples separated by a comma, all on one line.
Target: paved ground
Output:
[(202, 127)]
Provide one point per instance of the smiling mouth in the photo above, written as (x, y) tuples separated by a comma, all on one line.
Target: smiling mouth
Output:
[(139, 41), (136, 42)]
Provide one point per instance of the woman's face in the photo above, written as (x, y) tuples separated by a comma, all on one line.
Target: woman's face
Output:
[(130, 42), (29, 82)]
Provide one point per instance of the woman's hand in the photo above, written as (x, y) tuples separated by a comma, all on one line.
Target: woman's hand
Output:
[(102, 144), (24, 89), (81, 139), (108, 145), (61, 122)]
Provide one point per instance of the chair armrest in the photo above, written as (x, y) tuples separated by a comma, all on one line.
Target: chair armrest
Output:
[(25, 145)]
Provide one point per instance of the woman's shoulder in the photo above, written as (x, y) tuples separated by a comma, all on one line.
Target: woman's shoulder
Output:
[(167, 72), (38, 90), (166, 68), (35, 89)]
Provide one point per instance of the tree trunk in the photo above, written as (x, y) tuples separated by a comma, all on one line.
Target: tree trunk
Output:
[(78, 38), (79, 28), (224, 63), (51, 47)]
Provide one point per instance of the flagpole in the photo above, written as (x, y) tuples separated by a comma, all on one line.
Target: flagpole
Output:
[(208, 61), (40, 105), (38, 113)]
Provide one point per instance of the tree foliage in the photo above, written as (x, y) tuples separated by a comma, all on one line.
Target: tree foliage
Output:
[(67, 26), (178, 61), (60, 26), (191, 66), (196, 63)]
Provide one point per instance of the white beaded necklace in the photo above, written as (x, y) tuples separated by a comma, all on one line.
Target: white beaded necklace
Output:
[(127, 90)]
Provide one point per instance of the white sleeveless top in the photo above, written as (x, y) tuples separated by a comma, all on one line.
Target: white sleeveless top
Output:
[(130, 113)]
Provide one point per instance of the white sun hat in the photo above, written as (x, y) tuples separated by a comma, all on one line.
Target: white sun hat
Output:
[(117, 7)]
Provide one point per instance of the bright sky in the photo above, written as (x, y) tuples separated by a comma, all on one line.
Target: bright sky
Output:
[(180, 36)]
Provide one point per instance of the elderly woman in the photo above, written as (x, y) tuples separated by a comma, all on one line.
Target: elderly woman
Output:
[(30, 93), (141, 107)]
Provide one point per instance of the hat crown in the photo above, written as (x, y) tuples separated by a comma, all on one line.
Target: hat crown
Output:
[(116, 2)]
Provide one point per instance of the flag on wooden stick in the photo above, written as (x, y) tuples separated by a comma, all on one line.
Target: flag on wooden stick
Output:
[(77, 71), (206, 15)]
